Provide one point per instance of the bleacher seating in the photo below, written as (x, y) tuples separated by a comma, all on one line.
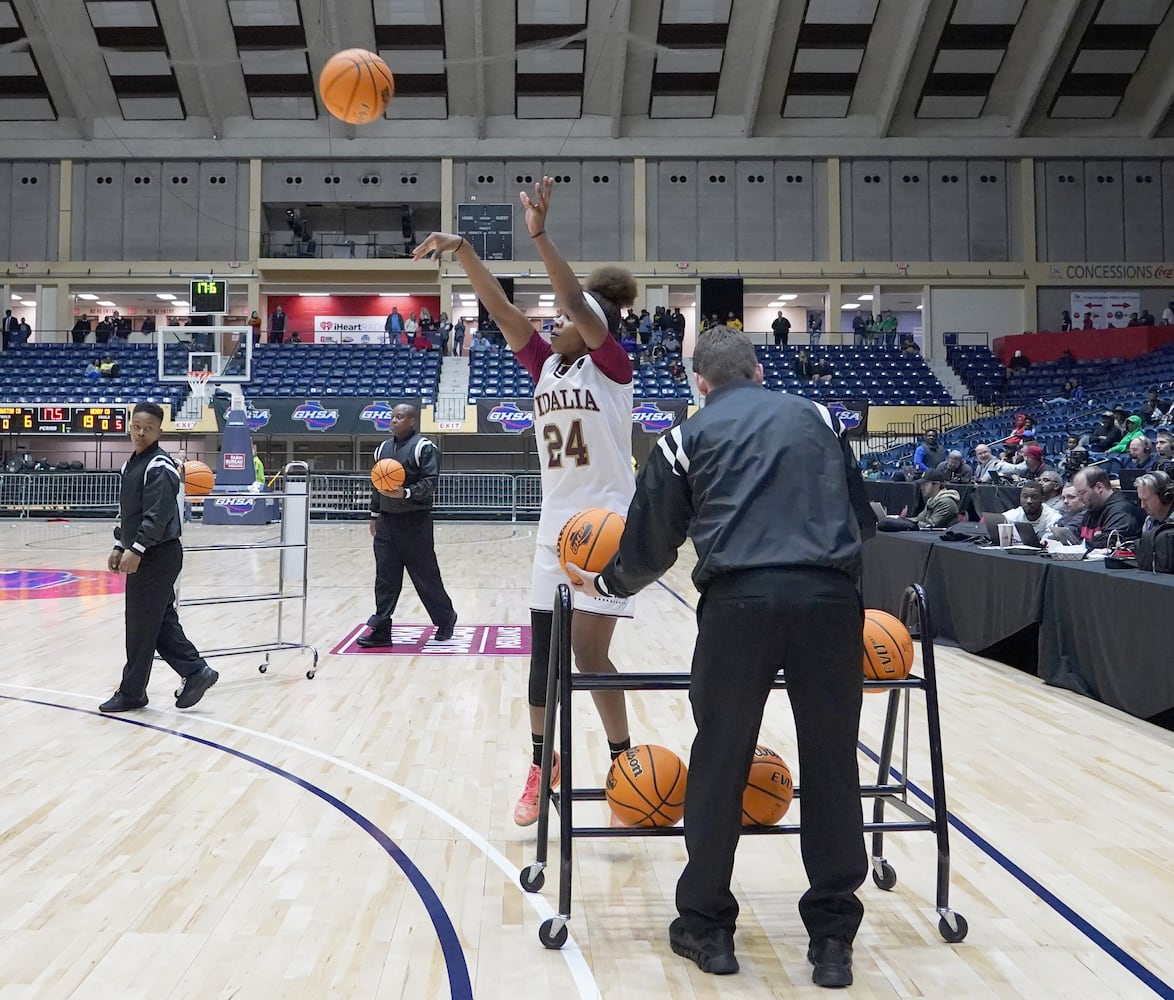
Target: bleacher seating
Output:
[(500, 376), (884, 378)]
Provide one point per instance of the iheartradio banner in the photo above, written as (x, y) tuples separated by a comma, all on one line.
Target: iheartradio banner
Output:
[(349, 329), (1105, 309)]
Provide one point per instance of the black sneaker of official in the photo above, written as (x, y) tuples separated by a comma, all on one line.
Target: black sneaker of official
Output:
[(444, 632), (195, 686), (119, 702), (832, 959), (713, 951), (375, 639)]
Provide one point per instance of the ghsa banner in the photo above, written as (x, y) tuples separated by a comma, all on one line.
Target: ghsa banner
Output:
[(516, 416)]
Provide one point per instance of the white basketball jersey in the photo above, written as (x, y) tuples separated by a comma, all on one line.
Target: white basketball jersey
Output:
[(583, 428)]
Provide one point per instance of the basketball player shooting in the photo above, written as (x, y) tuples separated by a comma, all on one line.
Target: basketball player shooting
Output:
[(583, 422)]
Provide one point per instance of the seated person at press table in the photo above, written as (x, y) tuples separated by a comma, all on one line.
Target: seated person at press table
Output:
[(1141, 455), (984, 463), (1052, 486), (956, 470), (1109, 512), (1164, 447), (941, 510), (1155, 552), (1032, 509), (1075, 513)]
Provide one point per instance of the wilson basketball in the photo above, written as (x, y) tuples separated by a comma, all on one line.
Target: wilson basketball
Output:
[(768, 789), (387, 475), (198, 479), (646, 786), (590, 539), (355, 86), (888, 647)]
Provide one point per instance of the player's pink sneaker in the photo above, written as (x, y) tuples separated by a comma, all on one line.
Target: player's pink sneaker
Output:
[(526, 811)]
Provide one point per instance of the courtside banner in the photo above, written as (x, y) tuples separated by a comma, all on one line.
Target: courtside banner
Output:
[(314, 415), (516, 416), (852, 413)]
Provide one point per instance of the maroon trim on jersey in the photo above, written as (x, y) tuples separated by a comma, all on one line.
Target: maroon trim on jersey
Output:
[(611, 359), (533, 356)]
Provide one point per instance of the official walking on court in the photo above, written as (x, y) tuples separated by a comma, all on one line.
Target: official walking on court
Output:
[(768, 488), (401, 524), (149, 552)]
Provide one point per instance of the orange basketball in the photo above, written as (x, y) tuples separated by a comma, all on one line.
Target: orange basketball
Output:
[(768, 789), (198, 479), (646, 786), (387, 475), (590, 539), (888, 647), (355, 86)]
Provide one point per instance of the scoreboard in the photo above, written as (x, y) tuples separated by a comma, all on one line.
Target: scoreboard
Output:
[(64, 419), (489, 229)]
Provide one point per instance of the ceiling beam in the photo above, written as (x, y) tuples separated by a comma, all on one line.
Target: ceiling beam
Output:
[(621, 25), (1061, 16), (759, 60), (192, 57), (479, 70), (903, 52)]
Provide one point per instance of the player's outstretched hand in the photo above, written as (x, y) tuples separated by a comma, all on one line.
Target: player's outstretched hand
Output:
[(537, 205), (437, 244)]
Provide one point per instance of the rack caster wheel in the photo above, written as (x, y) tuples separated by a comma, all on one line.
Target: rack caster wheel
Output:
[(532, 878), (953, 935), (310, 674), (551, 938), (886, 878), (263, 668)]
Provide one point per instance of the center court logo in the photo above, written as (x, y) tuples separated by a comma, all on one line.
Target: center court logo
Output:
[(652, 419), (315, 416), (512, 419), (379, 414)]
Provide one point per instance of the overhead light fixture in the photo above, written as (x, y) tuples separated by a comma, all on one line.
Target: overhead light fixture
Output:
[(16, 298), (921, 307), (468, 296), (788, 297), (181, 304), (313, 295), (87, 296), (850, 305), (395, 295), (165, 296), (104, 302), (864, 298)]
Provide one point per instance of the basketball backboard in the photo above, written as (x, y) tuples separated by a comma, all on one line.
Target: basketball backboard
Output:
[(225, 351)]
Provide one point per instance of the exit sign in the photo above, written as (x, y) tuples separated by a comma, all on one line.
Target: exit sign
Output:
[(209, 295)]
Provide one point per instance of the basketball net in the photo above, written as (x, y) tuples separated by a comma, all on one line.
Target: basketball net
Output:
[(198, 383)]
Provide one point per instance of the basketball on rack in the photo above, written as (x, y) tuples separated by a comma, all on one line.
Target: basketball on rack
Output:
[(387, 475), (198, 479), (356, 86), (768, 789), (645, 786), (590, 539), (888, 647)]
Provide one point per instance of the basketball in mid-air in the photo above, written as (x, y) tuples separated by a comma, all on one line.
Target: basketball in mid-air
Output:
[(355, 86), (198, 479), (888, 647), (590, 539), (645, 786), (388, 475)]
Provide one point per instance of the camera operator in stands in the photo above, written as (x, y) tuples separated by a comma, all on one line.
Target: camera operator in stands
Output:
[(1076, 459), (1155, 491), (956, 470), (1032, 509), (929, 454), (1109, 512)]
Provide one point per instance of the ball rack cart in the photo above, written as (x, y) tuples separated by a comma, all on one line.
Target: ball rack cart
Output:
[(890, 790)]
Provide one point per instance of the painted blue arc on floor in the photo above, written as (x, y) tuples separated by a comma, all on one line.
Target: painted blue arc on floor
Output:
[(460, 985), (1098, 937)]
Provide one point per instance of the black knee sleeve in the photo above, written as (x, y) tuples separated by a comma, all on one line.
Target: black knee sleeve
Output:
[(541, 626)]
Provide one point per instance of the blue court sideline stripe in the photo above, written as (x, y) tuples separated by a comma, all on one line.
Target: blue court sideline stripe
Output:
[(1099, 938), (460, 986)]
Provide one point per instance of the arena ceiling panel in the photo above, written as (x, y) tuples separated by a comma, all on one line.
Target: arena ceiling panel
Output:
[(730, 73)]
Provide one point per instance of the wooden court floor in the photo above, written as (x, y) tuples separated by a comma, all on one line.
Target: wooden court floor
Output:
[(351, 835)]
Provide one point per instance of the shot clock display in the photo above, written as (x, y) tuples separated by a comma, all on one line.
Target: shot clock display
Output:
[(210, 295), (64, 419)]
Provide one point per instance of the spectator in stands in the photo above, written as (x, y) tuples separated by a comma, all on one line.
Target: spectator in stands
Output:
[(1074, 512), (859, 329), (1109, 512), (888, 329), (480, 343), (420, 340), (781, 328), (1134, 320), (984, 463), (956, 470), (659, 353), (8, 327), (94, 369), (672, 343), (678, 324), (1164, 446), (277, 326), (22, 334), (1032, 509), (120, 326), (1065, 321), (733, 322), (458, 337), (1066, 395), (1087, 324), (1132, 430), (411, 328), (1067, 359), (81, 329), (393, 326), (427, 324), (1106, 435), (631, 324), (1018, 426), (1168, 314), (876, 471), (1121, 418), (802, 367), (1030, 467), (929, 454), (1155, 493), (1020, 364), (822, 370), (258, 466), (1154, 409), (677, 371), (644, 327), (1147, 318), (814, 328), (628, 339), (1052, 486), (942, 504), (1141, 455), (253, 323), (109, 368), (910, 347), (103, 331)]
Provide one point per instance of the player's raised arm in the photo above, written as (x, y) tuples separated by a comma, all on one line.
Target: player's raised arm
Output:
[(509, 318)]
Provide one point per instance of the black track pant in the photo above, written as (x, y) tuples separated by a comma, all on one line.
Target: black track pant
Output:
[(404, 541), (808, 624), (152, 623)]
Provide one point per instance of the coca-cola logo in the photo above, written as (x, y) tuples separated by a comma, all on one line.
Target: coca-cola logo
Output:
[(1164, 271)]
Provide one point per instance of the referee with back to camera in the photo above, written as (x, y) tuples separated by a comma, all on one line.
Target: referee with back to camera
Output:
[(148, 550), (767, 486)]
